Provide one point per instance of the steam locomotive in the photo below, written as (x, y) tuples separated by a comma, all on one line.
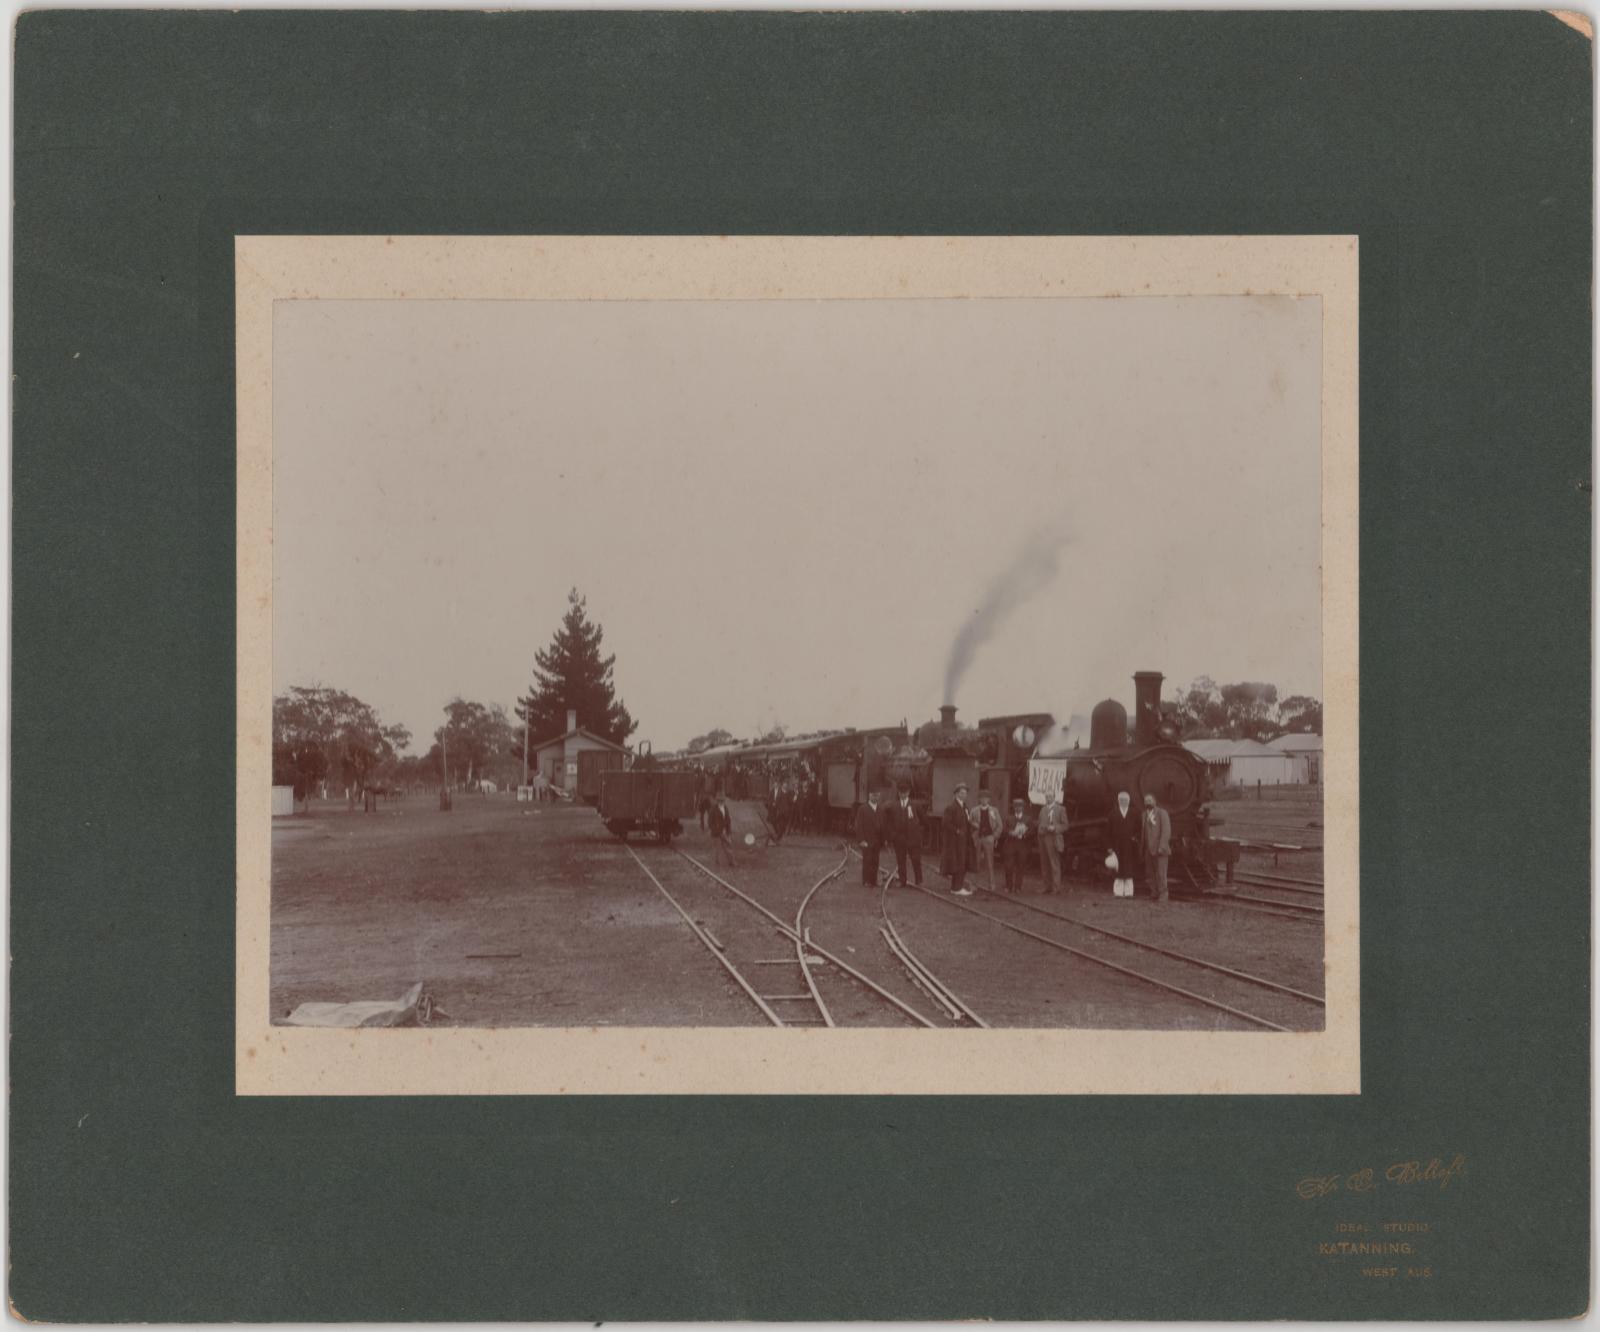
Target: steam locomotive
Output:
[(1146, 759)]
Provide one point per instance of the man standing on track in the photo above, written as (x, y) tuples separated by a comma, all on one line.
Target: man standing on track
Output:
[(985, 831), (719, 823), (903, 831), (1157, 845), (1052, 842), (1014, 847), (956, 858), (869, 836)]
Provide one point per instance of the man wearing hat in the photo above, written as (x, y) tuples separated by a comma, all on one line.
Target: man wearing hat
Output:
[(869, 835), (956, 857), (1052, 842), (986, 832), (903, 831), (1014, 846), (1157, 845)]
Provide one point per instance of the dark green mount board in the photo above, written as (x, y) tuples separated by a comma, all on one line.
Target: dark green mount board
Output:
[(1457, 146)]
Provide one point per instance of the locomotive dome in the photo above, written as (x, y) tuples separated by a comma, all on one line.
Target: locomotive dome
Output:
[(1108, 725)]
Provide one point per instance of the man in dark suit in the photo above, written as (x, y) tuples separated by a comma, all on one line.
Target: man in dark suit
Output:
[(719, 823), (956, 856), (903, 831), (869, 837), (1014, 846)]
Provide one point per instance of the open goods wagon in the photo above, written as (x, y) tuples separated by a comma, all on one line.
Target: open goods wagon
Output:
[(592, 765), (647, 800)]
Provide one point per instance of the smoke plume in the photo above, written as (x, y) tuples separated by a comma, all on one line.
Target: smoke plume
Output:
[(1032, 569)]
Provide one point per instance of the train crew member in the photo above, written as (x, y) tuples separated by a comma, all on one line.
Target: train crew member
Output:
[(1014, 847), (1157, 845), (956, 857), (719, 823), (869, 834), (985, 832), (1052, 842), (1125, 839), (903, 831)]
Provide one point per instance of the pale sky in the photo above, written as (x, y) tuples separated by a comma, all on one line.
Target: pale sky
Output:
[(785, 511)]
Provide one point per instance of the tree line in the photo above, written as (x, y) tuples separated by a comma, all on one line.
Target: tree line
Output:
[(1249, 710), (325, 736)]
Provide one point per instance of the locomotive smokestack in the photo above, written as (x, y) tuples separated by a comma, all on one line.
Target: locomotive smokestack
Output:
[(1146, 706), (947, 716)]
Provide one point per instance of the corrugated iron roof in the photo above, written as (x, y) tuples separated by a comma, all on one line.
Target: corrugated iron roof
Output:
[(1216, 751)]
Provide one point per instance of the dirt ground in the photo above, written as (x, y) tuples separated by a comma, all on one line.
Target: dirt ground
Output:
[(365, 905)]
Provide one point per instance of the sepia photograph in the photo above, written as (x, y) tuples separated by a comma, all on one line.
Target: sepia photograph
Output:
[(901, 663)]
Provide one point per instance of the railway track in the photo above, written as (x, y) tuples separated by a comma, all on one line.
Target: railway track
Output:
[(1287, 1001), (801, 1003), (1283, 908), (1267, 895), (942, 995), (1251, 978), (1222, 993), (1287, 882)]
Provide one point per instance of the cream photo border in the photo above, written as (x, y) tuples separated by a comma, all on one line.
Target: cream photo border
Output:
[(279, 1060)]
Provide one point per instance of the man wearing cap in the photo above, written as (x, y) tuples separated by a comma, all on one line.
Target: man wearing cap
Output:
[(1157, 845), (956, 856), (903, 831), (985, 833), (1014, 846), (1052, 842), (869, 837)]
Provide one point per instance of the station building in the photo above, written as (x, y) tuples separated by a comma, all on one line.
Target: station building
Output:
[(1246, 762), (556, 759)]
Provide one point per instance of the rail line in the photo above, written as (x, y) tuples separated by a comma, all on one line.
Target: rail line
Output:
[(1282, 910), (1246, 976), (936, 989), (1283, 881), (799, 934), (1254, 1019), (701, 933), (1289, 904)]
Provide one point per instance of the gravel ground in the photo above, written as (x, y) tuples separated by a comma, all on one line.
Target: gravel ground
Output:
[(366, 905)]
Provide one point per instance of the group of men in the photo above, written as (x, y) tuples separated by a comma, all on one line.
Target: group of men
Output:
[(972, 834)]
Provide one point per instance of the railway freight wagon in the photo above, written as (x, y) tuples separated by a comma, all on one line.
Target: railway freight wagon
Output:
[(647, 800), (592, 763)]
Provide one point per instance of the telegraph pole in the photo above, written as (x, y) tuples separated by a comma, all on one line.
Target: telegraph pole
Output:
[(444, 763), (525, 711)]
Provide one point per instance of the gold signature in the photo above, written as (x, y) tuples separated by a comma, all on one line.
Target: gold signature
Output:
[(1367, 1180)]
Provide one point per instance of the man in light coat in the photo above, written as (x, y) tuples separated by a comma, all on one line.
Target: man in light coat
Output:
[(985, 832), (1052, 842), (1157, 845)]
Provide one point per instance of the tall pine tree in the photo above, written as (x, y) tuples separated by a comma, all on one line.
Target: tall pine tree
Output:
[(571, 673)]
